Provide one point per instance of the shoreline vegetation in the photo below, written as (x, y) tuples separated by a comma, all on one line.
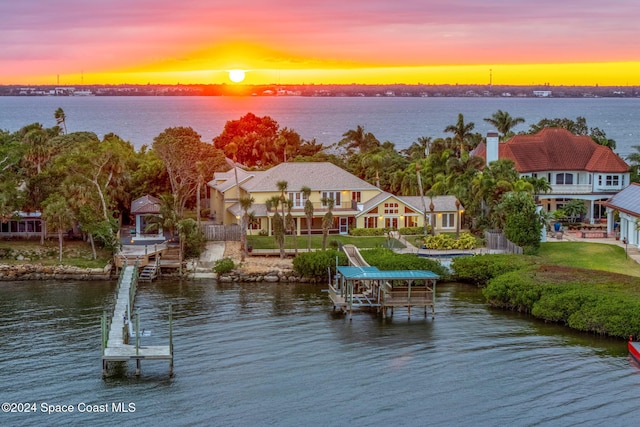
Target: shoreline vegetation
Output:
[(603, 299), (83, 186)]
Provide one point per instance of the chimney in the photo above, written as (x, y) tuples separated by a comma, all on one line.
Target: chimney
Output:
[(492, 147)]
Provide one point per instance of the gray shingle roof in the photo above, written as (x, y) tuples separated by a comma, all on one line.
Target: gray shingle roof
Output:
[(627, 200), (315, 175)]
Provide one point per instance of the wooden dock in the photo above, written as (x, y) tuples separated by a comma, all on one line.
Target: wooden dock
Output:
[(140, 254), (118, 331)]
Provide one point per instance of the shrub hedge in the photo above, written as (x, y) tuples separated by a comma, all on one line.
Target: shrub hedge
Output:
[(605, 308), (318, 263), (479, 269), (224, 265), (386, 259)]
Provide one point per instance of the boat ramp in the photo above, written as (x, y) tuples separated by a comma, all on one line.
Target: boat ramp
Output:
[(364, 287)]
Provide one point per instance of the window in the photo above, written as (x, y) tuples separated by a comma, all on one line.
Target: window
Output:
[(298, 199), (390, 208), (448, 220), (410, 221), (355, 196), (255, 224), (371, 222), (612, 180), (564, 178), (335, 195)]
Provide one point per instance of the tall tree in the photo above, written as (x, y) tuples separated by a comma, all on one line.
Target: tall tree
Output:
[(291, 225), (180, 148), (58, 216), (277, 222), (634, 161), (61, 118), (523, 225), (327, 220), (259, 141), (503, 122), (358, 139), (245, 205), (461, 132), (308, 211)]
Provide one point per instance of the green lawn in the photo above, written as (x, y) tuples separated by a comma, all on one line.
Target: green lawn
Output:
[(74, 253), (269, 242), (594, 256)]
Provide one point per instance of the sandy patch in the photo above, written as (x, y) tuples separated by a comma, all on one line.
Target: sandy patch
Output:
[(256, 264)]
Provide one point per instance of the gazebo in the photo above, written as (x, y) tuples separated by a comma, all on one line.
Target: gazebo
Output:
[(143, 209)]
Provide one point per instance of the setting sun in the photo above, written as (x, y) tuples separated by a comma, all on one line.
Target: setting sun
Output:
[(236, 76)]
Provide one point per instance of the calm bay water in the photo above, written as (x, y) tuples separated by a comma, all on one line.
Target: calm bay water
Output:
[(267, 354), (399, 120), (274, 354)]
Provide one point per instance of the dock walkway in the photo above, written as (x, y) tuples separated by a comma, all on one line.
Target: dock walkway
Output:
[(117, 332)]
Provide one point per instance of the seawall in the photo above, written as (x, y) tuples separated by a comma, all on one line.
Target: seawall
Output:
[(52, 272)]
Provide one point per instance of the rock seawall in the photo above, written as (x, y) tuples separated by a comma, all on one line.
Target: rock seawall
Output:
[(265, 276), (52, 272)]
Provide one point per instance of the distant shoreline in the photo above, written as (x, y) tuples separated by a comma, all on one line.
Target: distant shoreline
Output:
[(327, 90)]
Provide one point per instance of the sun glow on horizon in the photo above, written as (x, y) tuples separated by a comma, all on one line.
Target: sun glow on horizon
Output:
[(575, 74), (236, 76)]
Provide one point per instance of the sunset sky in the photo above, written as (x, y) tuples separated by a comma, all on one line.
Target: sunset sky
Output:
[(574, 42)]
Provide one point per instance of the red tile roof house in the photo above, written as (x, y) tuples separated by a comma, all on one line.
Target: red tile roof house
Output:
[(575, 166)]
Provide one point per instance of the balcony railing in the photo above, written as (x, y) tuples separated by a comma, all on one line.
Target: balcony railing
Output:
[(350, 205)]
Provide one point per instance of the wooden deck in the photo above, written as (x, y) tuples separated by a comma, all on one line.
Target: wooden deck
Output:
[(120, 330), (142, 254)]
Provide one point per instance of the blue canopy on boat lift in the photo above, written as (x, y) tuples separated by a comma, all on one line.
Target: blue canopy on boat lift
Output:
[(373, 273)]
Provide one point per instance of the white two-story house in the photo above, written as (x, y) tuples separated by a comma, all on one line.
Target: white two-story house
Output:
[(575, 166)]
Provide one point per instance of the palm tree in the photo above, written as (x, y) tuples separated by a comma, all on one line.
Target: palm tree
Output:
[(503, 122), (327, 220), (245, 205), (424, 206), (200, 169), (419, 149), (308, 211), (282, 187), (634, 160), (61, 118), (291, 225), (359, 139), (461, 132), (374, 161), (278, 222)]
